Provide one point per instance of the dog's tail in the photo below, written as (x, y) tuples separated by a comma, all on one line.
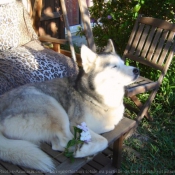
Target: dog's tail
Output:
[(24, 153)]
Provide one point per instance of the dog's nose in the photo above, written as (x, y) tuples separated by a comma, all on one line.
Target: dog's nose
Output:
[(136, 71)]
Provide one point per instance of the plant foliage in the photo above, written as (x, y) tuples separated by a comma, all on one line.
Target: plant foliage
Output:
[(115, 19)]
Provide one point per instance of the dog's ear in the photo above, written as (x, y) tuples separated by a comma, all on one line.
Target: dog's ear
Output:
[(110, 47), (88, 58)]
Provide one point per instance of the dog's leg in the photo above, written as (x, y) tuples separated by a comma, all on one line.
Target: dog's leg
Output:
[(42, 122), (55, 144), (60, 128), (97, 144), (60, 141)]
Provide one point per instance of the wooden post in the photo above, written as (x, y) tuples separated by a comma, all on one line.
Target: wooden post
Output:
[(37, 15), (86, 24), (56, 47), (63, 6), (117, 152)]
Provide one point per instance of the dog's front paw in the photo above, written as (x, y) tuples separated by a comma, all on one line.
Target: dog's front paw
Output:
[(91, 148), (56, 145)]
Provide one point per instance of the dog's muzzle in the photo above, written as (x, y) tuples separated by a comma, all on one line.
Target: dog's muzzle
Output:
[(136, 73)]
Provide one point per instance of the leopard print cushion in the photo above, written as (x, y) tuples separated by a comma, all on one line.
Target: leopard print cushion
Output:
[(33, 63), (23, 59), (15, 26)]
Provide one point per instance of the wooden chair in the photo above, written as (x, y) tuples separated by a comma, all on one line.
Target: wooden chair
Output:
[(35, 11), (151, 43)]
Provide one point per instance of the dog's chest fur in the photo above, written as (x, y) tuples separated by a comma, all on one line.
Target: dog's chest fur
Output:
[(100, 119)]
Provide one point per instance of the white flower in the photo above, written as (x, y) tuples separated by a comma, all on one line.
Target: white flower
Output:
[(85, 136), (83, 126)]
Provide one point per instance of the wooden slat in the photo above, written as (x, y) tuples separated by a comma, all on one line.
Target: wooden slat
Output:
[(108, 151), (166, 48), (12, 169), (1, 167), (54, 154), (131, 38), (68, 53), (101, 159), (141, 89), (87, 169), (49, 16), (95, 165), (52, 40), (136, 101), (169, 58), (79, 172), (3, 171), (140, 78), (139, 83), (158, 23), (136, 39), (68, 167), (148, 42), (145, 62), (142, 40), (154, 44), (31, 172), (160, 47)]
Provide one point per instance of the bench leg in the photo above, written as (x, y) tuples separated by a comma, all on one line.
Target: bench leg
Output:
[(117, 152), (56, 47)]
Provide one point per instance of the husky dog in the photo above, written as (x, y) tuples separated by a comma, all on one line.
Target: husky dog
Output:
[(47, 111)]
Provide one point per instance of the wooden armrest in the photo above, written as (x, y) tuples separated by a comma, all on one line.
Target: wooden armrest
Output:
[(123, 127), (145, 62), (52, 40)]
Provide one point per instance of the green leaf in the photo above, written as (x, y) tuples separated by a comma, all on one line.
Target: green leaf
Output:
[(135, 14), (142, 1), (76, 130), (71, 143), (113, 16), (127, 62), (69, 154), (78, 142), (137, 8)]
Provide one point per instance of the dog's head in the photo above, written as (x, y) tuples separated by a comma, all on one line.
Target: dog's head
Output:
[(107, 68)]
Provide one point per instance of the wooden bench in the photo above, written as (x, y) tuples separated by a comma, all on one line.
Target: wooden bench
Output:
[(107, 161)]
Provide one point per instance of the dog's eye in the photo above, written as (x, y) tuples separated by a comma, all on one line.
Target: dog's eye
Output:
[(114, 66)]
